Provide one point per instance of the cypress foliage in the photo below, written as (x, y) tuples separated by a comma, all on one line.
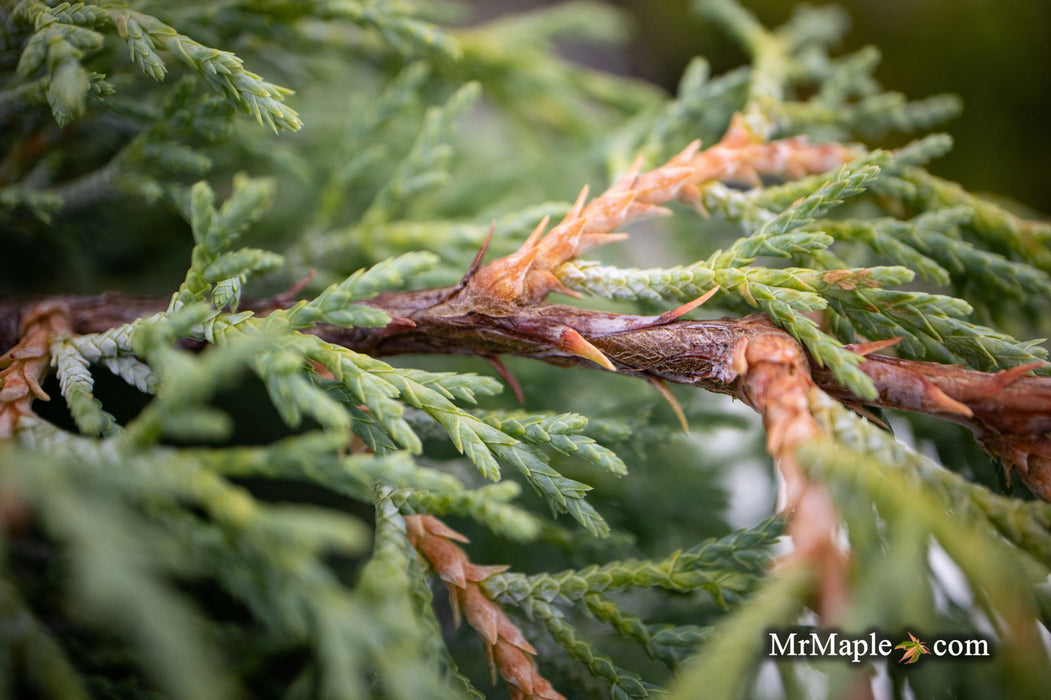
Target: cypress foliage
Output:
[(215, 484)]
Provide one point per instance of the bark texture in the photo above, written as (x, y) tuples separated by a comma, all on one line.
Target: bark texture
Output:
[(1009, 411)]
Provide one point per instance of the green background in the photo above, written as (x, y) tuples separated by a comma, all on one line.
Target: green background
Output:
[(995, 55)]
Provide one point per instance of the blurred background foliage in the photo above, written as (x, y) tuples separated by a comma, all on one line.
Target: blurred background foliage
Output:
[(994, 55)]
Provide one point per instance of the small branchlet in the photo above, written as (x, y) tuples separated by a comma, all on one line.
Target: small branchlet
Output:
[(508, 651), (26, 364), (528, 275)]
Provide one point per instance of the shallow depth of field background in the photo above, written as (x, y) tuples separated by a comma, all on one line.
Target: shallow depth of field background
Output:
[(995, 54)]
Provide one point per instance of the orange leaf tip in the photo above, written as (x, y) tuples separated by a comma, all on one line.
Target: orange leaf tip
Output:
[(1007, 377), (578, 205), (531, 241), (874, 346), (436, 526), (669, 316), (676, 407), (683, 157), (943, 402), (576, 344)]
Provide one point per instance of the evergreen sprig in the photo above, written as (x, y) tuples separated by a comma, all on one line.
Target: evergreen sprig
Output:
[(61, 38), (722, 567), (623, 684), (221, 70), (561, 432), (399, 24), (335, 305), (726, 666), (214, 270), (66, 34), (425, 165), (229, 517), (77, 387), (485, 444)]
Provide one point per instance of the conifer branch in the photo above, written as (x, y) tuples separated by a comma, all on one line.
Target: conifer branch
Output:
[(1005, 410), (26, 364), (168, 502), (777, 603), (724, 568), (507, 650), (622, 683), (533, 271)]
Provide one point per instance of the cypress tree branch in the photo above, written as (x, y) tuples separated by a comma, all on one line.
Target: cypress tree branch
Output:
[(509, 653), (213, 532), (498, 309), (1008, 411)]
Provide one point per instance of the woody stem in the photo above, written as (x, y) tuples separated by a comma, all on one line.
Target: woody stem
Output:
[(1010, 414)]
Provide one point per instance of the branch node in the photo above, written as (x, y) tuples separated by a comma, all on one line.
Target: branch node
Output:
[(28, 361)]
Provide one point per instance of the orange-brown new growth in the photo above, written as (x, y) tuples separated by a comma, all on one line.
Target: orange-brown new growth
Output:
[(530, 273), (777, 383), (509, 653), (27, 363)]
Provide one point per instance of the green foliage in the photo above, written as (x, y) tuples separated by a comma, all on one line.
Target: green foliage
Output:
[(197, 523), (64, 36)]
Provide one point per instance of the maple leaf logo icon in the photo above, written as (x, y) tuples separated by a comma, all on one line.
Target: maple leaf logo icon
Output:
[(913, 649)]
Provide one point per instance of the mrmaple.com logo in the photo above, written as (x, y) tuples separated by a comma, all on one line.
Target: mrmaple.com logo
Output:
[(803, 642)]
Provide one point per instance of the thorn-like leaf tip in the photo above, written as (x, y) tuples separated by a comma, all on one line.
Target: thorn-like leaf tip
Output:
[(676, 407), (576, 344)]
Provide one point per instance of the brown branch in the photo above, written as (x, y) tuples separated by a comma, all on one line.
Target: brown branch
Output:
[(87, 314), (498, 309), (27, 363), (1009, 411), (775, 380), (1010, 414)]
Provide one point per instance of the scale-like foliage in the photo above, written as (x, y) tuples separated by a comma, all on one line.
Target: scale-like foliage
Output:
[(243, 503)]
